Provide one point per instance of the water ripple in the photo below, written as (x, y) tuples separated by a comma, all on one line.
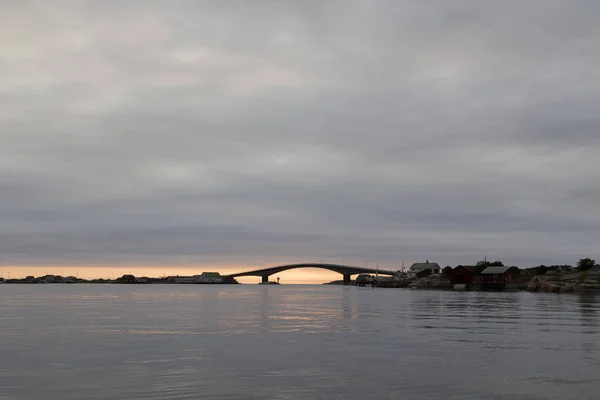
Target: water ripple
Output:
[(294, 342)]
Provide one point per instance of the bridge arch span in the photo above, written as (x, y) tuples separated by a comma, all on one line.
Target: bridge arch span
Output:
[(346, 270)]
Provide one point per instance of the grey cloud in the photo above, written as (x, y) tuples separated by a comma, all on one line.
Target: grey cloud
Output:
[(189, 132)]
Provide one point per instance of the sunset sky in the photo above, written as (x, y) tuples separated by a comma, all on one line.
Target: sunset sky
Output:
[(167, 137)]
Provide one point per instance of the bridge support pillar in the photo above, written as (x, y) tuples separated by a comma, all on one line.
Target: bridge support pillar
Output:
[(265, 279), (347, 279)]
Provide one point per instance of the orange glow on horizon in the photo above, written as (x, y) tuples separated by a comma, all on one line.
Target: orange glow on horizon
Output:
[(295, 276)]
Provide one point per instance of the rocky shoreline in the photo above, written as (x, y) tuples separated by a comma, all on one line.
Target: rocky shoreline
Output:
[(568, 282), (436, 281), (550, 282)]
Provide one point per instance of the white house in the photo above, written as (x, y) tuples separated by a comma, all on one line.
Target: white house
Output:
[(419, 267)]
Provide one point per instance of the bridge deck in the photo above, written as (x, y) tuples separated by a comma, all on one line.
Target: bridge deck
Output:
[(341, 269)]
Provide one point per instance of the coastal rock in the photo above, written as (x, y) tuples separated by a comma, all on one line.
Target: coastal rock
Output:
[(595, 271), (538, 283), (533, 284), (570, 277), (589, 286), (566, 289), (436, 281), (552, 282), (549, 287)]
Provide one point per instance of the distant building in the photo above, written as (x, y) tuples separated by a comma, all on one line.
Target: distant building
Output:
[(205, 277), (463, 275), (183, 279), (420, 267), (126, 279), (229, 280), (500, 278), (210, 277), (364, 279), (50, 279)]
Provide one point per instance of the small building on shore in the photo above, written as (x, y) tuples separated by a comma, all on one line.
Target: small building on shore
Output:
[(417, 268), (463, 274), (210, 277), (363, 280), (126, 279), (205, 277), (229, 280), (183, 279), (50, 279), (500, 278)]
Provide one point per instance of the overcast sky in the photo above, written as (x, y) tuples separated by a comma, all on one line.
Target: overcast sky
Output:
[(197, 132)]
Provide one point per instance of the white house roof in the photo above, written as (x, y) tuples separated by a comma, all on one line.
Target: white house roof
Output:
[(423, 266)]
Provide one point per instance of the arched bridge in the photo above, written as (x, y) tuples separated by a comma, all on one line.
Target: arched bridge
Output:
[(345, 270)]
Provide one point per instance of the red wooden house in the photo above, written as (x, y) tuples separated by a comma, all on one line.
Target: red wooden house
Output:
[(499, 277), (463, 274)]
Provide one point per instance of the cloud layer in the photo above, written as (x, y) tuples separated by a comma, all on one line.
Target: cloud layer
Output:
[(188, 132)]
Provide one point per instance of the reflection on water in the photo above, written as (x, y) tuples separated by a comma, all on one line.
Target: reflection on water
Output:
[(292, 342), (588, 307)]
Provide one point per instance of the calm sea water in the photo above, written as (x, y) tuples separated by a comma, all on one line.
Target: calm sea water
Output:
[(294, 342)]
